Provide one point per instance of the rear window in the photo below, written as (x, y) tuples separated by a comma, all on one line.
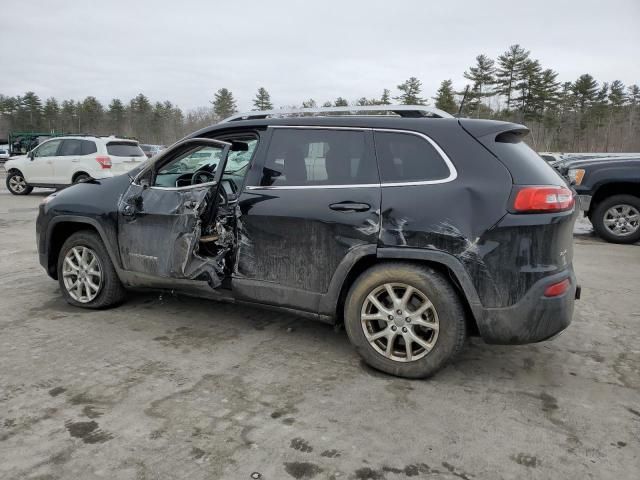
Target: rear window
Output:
[(124, 149), (2, 152), (525, 165), (404, 157)]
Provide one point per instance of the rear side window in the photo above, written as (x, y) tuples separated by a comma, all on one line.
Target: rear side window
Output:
[(299, 157), (124, 149), (404, 157), (70, 147), (88, 147)]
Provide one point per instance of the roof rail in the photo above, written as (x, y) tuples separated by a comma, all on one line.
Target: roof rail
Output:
[(405, 111)]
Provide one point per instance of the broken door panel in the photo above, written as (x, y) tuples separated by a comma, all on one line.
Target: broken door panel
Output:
[(160, 229)]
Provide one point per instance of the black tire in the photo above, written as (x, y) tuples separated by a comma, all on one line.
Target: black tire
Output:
[(111, 291), (435, 286), (81, 177), (600, 212), (14, 179)]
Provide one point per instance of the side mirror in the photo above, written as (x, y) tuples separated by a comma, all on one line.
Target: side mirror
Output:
[(31, 155)]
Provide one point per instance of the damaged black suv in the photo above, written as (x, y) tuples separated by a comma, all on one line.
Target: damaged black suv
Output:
[(412, 227)]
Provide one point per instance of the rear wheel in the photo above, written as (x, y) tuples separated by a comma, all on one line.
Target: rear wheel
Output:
[(17, 185), (86, 274), (405, 319), (617, 219), (81, 177)]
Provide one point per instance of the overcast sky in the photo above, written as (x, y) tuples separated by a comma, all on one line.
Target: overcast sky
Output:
[(185, 50)]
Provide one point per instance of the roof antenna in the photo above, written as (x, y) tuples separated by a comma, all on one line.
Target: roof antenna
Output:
[(464, 97)]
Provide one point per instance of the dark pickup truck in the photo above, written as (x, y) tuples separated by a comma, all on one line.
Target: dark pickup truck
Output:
[(608, 191)]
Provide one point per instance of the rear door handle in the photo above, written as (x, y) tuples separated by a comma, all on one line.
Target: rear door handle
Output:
[(350, 207)]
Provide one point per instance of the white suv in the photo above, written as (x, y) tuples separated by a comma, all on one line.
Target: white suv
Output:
[(61, 161)]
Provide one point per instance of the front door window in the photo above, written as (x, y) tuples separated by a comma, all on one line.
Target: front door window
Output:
[(47, 149), (192, 167)]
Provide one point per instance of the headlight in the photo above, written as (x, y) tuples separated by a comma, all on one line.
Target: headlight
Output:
[(576, 175)]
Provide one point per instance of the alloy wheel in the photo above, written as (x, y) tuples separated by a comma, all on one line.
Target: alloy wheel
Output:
[(400, 322), (82, 274), (622, 220), (17, 183)]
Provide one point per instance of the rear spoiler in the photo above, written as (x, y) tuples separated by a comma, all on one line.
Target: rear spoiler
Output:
[(493, 128)]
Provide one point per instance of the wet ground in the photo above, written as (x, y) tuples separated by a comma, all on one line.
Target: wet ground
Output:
[(169, 387)]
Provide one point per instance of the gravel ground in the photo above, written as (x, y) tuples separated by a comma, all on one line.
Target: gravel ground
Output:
[(169, 387)]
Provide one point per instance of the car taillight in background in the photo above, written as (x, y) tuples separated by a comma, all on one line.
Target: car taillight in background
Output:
[(104, 161), (543, 199)]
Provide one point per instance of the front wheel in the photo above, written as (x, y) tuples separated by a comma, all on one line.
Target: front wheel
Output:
[(405, 319), (86, 274), (617, 219), (17, 185)]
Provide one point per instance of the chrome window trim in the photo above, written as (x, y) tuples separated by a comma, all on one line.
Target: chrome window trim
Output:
[(186, 187), (453, 173), (310, 187)]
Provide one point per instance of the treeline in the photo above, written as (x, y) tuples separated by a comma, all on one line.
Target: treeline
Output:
[(583, 115)]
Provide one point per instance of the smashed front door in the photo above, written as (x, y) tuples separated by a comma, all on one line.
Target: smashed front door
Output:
[(160, 226)]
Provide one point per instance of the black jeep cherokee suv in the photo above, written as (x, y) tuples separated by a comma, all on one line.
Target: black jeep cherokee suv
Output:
[(414, 229)]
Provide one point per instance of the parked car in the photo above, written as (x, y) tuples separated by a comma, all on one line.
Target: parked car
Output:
[(551, 157), (608, 191), (4, 155), (413, 230), (151, 150), (62, 161)]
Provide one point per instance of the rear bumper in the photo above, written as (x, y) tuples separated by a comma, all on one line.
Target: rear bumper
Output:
[(534, 318)]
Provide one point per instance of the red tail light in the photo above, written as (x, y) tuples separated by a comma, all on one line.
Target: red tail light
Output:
[(543, 199), (557, 288), (104, 161)]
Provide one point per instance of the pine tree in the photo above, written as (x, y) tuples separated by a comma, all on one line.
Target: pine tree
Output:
[(224, 105), (30, 108), (508, 72), (617, 95), (262, 100), (385, 99), (528, 82), (411, 90), (68, 116), (585, 89), (482, 77), (444, 98), (91, 112), (340, 102), (50, 114), (311, 103), (115, 117), (139, 113), (634, 95)]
